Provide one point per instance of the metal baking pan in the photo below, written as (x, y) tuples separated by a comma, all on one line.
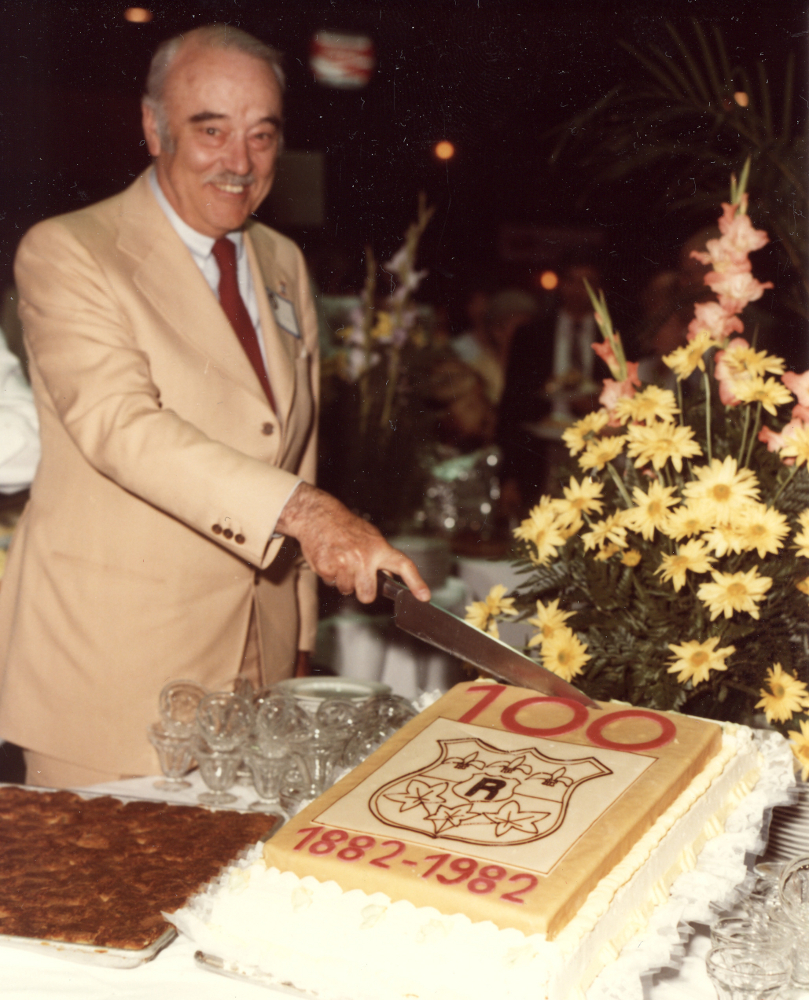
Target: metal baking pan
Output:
[(92, 954)]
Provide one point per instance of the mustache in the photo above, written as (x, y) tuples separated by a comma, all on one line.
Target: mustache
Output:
[(226, 177)]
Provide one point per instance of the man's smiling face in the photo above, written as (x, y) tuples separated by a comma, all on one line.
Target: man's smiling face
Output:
[(223, 111)]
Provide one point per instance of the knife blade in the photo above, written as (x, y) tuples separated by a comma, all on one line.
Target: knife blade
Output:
[(451, 634)]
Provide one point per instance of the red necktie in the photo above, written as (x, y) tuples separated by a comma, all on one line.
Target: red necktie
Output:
[(224, 250)]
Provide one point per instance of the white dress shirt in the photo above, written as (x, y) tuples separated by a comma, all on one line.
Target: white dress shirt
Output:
[(19, 426), (201, 249)]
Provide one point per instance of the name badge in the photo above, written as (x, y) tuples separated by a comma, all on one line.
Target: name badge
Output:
[(284, 313)]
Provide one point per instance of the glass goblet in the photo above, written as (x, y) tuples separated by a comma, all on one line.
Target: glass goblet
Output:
[(748, 973), (271, 778), (224, 720), (218, 770), (178, 706), (321, 750), (752, 932), (793, 889), (280, 717), (175, 755)]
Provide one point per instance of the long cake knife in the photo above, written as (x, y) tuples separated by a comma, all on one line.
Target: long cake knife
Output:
[(451, 634)]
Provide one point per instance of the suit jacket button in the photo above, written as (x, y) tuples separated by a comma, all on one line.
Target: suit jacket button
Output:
[(216, 529), (227, 533), (267, 429), (239, 539)]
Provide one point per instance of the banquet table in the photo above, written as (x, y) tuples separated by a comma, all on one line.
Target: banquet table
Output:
[(26, 975)]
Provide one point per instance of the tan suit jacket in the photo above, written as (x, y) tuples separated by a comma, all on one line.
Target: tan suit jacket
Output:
[(148, 538)]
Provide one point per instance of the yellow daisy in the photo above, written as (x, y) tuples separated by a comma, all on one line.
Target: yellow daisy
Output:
[(611, 529), (800, 747), (684, 360), (477, 614), (481, 614), (577, 435), (660, 442), (549, 619), (786, 696), (803, 585), (693, 661), (693, 557), (732, 592), (580, 498), (797, 446), (564, 654), (653, 403), (802, 543), (742, 358), (724, 538), (721, 489), (603, 450), (763, 529), (769, 392), (685, 521), (541, 531), (650, 510), (631, 557)]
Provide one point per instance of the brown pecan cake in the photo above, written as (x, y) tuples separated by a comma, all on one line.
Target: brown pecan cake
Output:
[(100, 871)]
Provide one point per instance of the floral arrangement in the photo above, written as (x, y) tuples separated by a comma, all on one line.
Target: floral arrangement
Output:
[(375, 369), (380, 331), (675, 572)]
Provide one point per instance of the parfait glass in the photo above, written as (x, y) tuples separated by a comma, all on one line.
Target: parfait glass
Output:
[(218, 770), (793, 888), (379, 718), (224, 720), (175, 755), (748, 972), (178, 706), (322, 746), (276, 771)]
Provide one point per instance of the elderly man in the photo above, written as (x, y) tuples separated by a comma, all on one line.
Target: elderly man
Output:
[(178, 434)]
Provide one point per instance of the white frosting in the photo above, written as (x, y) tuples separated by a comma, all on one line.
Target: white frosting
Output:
[(354, 946)]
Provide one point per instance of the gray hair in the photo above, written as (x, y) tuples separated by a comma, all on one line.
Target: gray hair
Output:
[(212, 36)]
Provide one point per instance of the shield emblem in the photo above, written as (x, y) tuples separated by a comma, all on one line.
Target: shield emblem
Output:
[(477, 794)]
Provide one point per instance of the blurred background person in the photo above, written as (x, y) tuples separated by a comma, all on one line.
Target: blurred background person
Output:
[(553, 377), (485, 348)]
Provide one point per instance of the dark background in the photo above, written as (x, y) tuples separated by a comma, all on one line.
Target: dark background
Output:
[(493, 76)]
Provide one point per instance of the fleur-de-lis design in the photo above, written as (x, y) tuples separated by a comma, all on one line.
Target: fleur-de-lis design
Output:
[(555, 777), (509, 766), (462, 763)]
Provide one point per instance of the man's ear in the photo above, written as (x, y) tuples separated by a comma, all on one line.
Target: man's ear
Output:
[(150, 130)]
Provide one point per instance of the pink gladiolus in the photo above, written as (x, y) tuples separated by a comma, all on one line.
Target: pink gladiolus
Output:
[(613, 391), (604, 350), (717, 321), (775, 442), (801, 413), (729, 254), (736, 289), (737, 229), (727, 373), (799, 385)]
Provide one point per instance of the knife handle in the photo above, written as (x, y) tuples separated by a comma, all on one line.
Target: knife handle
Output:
[(389, 587)]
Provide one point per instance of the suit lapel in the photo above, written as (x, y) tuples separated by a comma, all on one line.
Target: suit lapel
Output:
[(165, 273), (281, 348)]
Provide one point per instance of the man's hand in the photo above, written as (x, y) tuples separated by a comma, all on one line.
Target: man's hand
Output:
[(345, 551)]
